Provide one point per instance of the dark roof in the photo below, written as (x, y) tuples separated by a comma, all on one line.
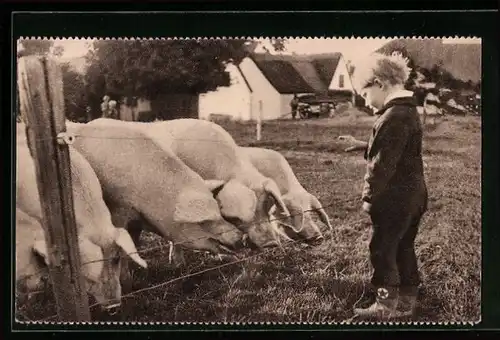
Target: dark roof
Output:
[(463, 61), (298, 73), (326, 66), (309, 74), (283, 76)]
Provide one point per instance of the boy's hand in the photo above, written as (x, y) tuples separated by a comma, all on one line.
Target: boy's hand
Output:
[(367, 207), (353, 148), (348, 138), (357, 144)]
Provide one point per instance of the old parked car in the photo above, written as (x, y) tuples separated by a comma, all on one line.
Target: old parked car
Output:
[(314, 106)]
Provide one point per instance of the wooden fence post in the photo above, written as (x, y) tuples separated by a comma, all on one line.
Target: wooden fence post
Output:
[(259, 121), (42, 108)]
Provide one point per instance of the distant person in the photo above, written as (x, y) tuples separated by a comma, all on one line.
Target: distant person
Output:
[(394, 193), (105, 106), (324, 108), (112, 110), (294, 104)]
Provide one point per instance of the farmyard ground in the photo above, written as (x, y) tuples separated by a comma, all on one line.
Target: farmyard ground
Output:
[(322, 284)]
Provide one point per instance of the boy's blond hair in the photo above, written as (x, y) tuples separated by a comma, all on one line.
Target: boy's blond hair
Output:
[(392, 69)]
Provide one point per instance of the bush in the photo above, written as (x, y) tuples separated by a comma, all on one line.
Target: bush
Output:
[(220, 118), (146, 116), (75, 97)]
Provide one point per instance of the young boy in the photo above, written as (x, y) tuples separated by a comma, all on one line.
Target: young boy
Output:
[(395, 192)]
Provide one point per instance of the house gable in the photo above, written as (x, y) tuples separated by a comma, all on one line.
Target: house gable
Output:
[(341, 80), (236, 78), (240, 72), (252, 74)]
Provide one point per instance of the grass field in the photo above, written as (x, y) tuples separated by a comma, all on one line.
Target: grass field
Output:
[(322, 284)]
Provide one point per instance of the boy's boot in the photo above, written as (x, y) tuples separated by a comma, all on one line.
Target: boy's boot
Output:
[(407, 302), (383, 308)]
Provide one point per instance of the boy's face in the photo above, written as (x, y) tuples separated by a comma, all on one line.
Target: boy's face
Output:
[(374, 94)]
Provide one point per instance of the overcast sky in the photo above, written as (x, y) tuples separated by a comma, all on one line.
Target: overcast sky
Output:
[(349, 47), (352, 49)]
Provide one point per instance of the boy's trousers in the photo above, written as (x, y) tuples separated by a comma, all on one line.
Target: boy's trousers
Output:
[(392, 247)]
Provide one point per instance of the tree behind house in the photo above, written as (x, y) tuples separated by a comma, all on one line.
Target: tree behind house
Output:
[(152, 69), (75, 97)]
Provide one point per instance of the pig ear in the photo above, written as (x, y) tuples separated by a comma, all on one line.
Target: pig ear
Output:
[(214, 185), (40, 249), (124, 241), (318, 208), (272, 190), (296, 217), (237, 200)]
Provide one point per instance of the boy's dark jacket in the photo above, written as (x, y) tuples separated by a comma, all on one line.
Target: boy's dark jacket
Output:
[(394, 176)]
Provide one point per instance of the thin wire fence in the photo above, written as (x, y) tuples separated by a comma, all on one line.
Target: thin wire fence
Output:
[(172, 244), (280, 219), (182, 277)]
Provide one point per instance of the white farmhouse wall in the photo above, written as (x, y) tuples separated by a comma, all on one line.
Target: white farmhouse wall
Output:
[(285, 104), (233, 100), (341, 70), (262, 91)]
